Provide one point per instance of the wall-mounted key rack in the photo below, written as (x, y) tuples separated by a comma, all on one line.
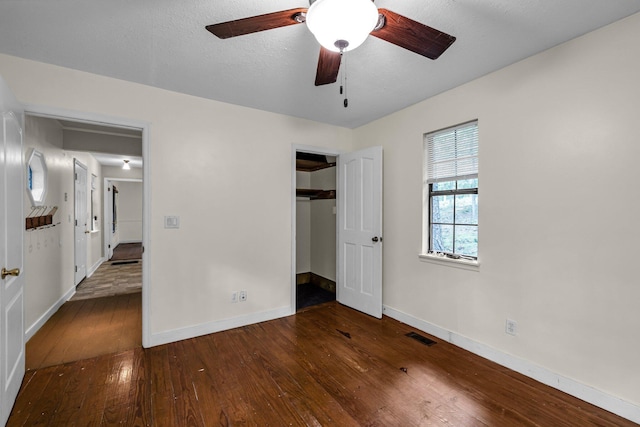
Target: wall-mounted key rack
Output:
[(40, 216)]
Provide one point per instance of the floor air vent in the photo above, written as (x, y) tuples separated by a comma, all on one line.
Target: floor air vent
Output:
[(423, 340)]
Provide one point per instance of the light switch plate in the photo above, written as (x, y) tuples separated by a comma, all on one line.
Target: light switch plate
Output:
[(171, 222)]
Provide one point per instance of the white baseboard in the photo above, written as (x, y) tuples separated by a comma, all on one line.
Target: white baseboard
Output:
[(587, 393), (95, 266), (31, 330), (217, 326)]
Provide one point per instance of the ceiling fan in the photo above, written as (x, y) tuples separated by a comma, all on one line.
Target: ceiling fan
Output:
[(341, 26)]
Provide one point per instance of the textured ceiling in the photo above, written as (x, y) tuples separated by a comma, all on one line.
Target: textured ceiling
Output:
[(164, 43)]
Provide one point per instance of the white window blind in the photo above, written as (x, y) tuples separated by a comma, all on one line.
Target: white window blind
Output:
[(452, 153)]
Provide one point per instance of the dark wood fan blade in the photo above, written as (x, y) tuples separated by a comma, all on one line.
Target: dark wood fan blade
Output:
[(412, 35), (253, 24), (328, 67)]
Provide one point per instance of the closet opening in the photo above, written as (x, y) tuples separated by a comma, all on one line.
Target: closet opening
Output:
[(315, 237)]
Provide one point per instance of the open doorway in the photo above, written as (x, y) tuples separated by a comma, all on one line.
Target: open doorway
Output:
[(122, 219), (315, 236), (100, 147), (357, 228)]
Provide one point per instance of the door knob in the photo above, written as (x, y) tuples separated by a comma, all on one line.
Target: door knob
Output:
[(12, 272), (374, 239)]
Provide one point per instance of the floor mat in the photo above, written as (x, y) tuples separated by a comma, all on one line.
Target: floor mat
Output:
[(125, 251)]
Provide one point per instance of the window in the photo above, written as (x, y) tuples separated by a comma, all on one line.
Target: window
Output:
[(451, 192)]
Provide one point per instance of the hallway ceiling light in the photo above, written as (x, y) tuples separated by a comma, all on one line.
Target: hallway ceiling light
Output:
[(126, 165)]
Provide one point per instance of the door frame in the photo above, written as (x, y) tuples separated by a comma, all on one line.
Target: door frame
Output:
[(78, 164), (108, 211), (102, 119), (295, 148)]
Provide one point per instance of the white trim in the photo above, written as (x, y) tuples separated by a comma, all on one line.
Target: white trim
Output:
[(146, 237), (106, 217), (450, 262), (567, 385), (218, 326), (77, 164), (95, 266), (314, 150), (83, 116), (31, 330), (145, 127)]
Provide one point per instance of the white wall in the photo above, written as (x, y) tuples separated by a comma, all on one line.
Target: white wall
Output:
[(323, 226), (303, 225), (49, 252), (118, 172), (316, 226), (102, 143), (211, 164), (558, 207), (129, 213), (48, 262)]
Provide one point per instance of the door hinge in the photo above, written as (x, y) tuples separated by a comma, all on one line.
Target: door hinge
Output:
[(76, 268), (109, 246), (75, 176), (143, 249)]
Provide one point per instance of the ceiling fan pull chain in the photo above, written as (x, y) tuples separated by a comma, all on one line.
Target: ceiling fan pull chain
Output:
[(341, 72), (344, 76)]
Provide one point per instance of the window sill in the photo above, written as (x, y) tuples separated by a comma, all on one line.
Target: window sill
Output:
[(95, 231), (450, 262)]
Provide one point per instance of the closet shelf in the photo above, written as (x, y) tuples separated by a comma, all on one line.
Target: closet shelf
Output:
[(315, 194)]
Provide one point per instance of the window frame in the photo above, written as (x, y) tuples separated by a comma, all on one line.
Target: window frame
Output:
[(454, 193), (433, 159)]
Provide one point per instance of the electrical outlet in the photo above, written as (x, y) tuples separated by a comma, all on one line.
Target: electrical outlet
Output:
[(511, 327), (234, 296), (243, 296)]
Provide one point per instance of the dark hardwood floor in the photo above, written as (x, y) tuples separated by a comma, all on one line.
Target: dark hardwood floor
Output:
[(326, 366)]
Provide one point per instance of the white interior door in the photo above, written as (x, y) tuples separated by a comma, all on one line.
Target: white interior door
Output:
[(11, 255), (81, 221), (359, 283)]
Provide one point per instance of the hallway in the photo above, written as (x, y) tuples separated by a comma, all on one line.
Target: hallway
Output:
[(103, 317), (110, 279), (87, 328)]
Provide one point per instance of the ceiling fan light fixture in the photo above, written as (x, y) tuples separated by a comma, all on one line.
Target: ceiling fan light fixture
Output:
[(341, 25)]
